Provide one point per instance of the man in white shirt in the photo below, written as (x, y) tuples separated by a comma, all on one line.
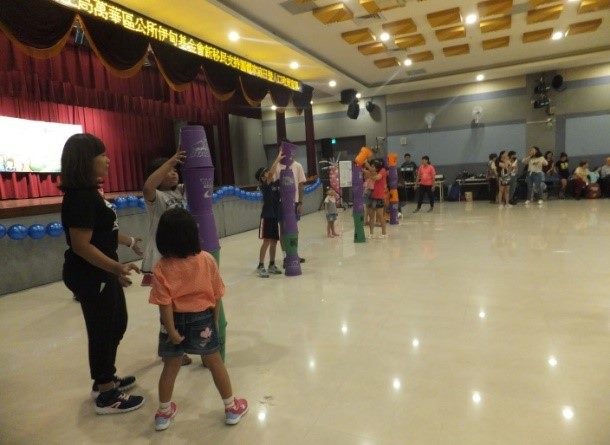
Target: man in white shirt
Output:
[(299, 179)]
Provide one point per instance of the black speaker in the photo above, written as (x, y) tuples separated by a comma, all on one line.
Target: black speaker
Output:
[(370, 106), (327, 148), (347, 96), (353, 110), (557, 83)]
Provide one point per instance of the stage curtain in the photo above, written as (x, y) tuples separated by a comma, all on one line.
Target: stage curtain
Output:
[(178, 67), (39, 27), (302, 99), (253, 89), (222, 79), (280, 96), (123, 53)]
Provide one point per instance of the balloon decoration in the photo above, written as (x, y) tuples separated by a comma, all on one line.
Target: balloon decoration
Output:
[(2, 231), (37, 231), (54, 229), (132, 201), (17, 232), (141, 202)]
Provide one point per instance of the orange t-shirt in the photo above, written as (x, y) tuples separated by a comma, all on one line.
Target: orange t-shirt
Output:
[(190, 284)]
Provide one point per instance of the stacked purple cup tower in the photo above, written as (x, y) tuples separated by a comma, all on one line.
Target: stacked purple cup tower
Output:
[(358, 202), (290, 229), (393, 185)]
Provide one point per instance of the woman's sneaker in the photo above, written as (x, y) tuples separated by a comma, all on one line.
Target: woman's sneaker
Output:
[(234, 414), (163, 419), (122, 384), (262, 273), (116, 402)]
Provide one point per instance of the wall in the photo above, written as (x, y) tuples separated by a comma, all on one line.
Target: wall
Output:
[(331, 121), (246, 148), (29, 263)]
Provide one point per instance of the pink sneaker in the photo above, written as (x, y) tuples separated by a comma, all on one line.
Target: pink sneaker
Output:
[(162, 420), (234, 414)]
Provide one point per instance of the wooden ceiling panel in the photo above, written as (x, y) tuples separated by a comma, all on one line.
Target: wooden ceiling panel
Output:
[(500, 42), (446, 17), (400, 27), (372, 48), (410, 41), (582, 27), (370, 6), (455, 32), (497, 24), (544, 14), (534, 4), (334, 13), (390, 62), (421, 57), (536, 36), (593, 6), (362, 35), (458, 50), (494, 7)]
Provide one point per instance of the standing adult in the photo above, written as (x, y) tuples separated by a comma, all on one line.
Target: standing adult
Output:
[(299, 179), (92, 270), (426, 175), (408, 170), (535, 163)]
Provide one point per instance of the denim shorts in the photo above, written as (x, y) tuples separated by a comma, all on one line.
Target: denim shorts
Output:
[(199, 332)]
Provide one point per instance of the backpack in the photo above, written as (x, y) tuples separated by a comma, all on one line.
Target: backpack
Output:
[(454, 192)]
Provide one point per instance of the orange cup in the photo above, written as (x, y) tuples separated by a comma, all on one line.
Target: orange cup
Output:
[(363, 155), (393, 195), (392, 159)]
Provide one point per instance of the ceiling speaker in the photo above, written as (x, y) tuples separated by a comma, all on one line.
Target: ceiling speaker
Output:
[(557, 83), (353, 110), (348, 96), (370, 106)]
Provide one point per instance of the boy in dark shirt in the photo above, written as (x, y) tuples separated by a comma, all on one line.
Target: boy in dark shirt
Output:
[(563, 170), (269, 229)]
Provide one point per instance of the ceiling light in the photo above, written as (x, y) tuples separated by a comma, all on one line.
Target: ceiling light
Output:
[(332, 83), (480, 77), (568, 412), (311, 102), (552, 361), (471, 19), (482, 314), (233, 36), (294, 65), (396, 384), (273, 107), (557, 35), (415, 342), (384, 36), (358, 95), (408, 62), (476, 397)]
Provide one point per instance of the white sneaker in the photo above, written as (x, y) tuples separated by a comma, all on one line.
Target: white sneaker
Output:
[(509, 206), (527, 202), (382, 236), (540, 202), (501, 206)]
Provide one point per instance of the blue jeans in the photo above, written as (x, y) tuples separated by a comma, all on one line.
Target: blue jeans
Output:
[(534, 184)]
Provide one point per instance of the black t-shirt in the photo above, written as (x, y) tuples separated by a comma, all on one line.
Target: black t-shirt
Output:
[(271, 200), (86, 209), (408, 170), (563, 169)]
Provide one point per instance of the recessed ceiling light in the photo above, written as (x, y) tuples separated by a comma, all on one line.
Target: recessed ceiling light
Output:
[(294, 65), (480, 77), (384, 37), (568, 412), (358, 95), (471, 19), (273, 107), (311, 102), (332, 83), (408, 62), (557, 35), (476, 397), (233, 36)]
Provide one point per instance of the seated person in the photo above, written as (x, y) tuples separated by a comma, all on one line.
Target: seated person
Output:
[(581, 179), (604, 174)]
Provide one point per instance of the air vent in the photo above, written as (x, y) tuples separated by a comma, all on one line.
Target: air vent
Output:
[(364, 20), (415, 73), (298, 7)]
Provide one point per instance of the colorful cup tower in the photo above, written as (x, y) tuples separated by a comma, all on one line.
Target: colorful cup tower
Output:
[(290, 229), (198, 175), (358, 194), (393, 186)]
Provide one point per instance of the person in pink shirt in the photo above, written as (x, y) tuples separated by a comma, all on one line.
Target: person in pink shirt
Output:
[(426, 174), (377, 204)]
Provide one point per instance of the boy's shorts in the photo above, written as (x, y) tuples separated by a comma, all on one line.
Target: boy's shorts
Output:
[(269, 228), (199, 332)]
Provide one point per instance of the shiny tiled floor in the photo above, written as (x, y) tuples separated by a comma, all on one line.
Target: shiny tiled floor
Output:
[(471, 325)]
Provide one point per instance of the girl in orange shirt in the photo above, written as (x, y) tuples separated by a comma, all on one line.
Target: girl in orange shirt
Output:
[(187, 288)]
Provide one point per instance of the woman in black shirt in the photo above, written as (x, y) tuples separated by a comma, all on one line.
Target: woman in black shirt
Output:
[(92, 270), (563, 171)]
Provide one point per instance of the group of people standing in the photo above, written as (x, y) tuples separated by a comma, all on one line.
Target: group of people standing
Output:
[(188, 309)]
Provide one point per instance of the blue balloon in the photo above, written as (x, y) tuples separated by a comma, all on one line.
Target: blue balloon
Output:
[(259, 196), (54, 229), (220, 193), (120, 202), (17, 231), (2, 231), (132, 201), (141, 202), (37, 231), (113, 206)]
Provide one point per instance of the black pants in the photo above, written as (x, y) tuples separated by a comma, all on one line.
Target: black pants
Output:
[(427, 189), (493, 189), (105, 313)]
